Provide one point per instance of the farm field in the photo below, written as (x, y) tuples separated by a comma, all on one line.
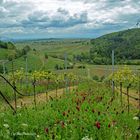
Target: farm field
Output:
[(69, 104), (55, 50), (69, 70), (54, 96), (81, 114)]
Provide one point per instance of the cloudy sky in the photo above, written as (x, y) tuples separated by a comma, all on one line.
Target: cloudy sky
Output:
[(66, 18)]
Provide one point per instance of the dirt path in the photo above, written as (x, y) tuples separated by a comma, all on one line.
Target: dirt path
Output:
[(27, 101)]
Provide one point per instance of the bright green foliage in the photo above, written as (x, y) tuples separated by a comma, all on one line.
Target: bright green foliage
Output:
[(76, 116), (16, 76), (125, 76), (125, 43)]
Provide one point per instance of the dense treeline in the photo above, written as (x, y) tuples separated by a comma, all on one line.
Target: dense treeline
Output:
[(19, 53), (125, 43), (7, 45), (15, 53)]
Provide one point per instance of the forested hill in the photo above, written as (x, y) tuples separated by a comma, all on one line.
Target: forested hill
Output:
[(7, 45), (125, 43), (9, 51)]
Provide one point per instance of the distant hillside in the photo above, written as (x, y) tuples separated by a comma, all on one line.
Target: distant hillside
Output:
[(125, 43), (7, 45), (9, 51)]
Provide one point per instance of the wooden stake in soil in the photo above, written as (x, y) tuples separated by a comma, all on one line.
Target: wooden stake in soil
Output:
[(15, 95), (26, 71), (73, 85), (113, 84), (66, 78), (128, 98), (121, 92), (47, 89), (69, 85), (139, 99), (34, 87), (56, 89), (46, 96), (63, 87)]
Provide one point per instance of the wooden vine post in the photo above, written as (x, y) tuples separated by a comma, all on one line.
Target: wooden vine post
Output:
[(48, 82), (139, 98), (15, 95), (113, 83), (34, 88), (121, 92), (128, 106), (47, 94), (77, 83), (66, 83), (69, 85), (66, 68), (73, 83), (63, 86), (56, 87)]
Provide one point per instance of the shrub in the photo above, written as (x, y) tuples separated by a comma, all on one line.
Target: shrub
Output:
[(96, 78)]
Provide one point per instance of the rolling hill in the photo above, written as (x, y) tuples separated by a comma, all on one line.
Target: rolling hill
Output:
[(126, 45), (96, 51)]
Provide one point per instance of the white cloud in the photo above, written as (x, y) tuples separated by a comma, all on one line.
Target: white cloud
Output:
[(31, 16)]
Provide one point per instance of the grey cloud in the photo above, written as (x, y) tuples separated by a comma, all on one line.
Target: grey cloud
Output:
[(3, 11), (42, 20), (25, 14), (62, 11)]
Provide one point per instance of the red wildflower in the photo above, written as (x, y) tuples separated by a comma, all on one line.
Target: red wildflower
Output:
[(109, 126), (114, 123), (86, 110), (98, 125), (64, 113), (78, 108), (47, 130), (83, 98), (93, 110), (62, 124)]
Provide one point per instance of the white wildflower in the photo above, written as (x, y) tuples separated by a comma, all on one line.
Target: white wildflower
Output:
[(6, 125), (19, 107), (86, 138), (24, 125), (135, 118), (2, 114)]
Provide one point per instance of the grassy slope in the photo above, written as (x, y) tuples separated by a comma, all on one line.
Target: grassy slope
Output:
[(36, 59), (35, 62), (59, 47), (4, 53), (72, 117)]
